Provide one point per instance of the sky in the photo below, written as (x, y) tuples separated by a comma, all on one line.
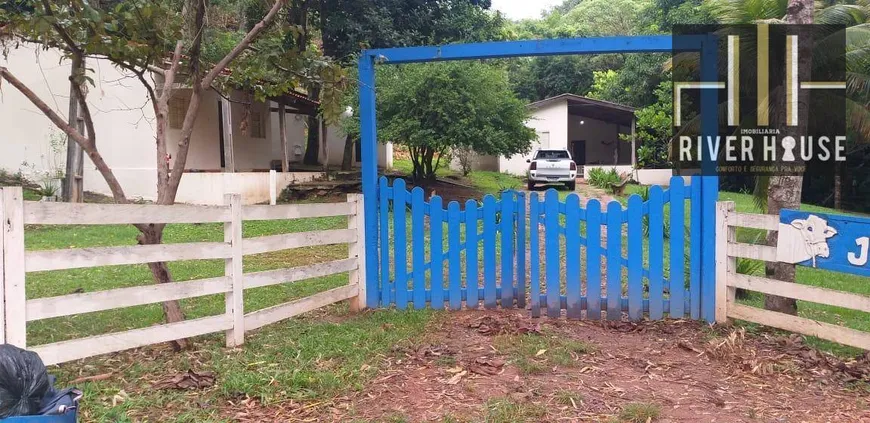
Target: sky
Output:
[(522, 9)]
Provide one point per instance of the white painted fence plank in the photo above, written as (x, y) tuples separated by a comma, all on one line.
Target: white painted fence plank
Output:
[(49, 213), (277, 313), (839, 334), (76, 258), (235, 300), (64, 351), (265, 244), (752, 251), (356, 251), (801, 292), (275, 277), (296, 211), (723, 211), (766, 222), (67, 305), (12, 223)]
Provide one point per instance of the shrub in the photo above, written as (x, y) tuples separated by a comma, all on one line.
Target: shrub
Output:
[(603, 179)]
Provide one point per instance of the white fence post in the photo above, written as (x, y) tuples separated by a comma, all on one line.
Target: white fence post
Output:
[(357, 250), (14, 299), (235, 298), (273, 187), (725, 265)]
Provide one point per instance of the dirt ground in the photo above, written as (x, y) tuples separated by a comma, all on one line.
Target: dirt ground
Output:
[(687, 371)]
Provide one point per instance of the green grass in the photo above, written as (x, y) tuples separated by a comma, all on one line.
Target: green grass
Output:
[(537, 353), (639, 412), (311, 358), (506, 410), (494, 182)]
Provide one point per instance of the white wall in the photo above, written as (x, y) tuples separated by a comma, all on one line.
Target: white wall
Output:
[(551, 120), (297, 141), (122, 115), (209, 188)]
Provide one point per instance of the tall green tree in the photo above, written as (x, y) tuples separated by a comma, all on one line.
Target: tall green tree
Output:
[(434, 108), (347, 26)]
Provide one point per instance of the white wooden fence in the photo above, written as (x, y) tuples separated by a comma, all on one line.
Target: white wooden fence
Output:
[(16, 311), (728, 250)]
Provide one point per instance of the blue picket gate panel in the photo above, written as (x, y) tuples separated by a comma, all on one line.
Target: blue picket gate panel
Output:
[(614, 261), (552, 259), (695, 250), (495, 233), (534, 256), (593, 259), (635, 257), (471, 263), (677, 226), (656, 253), (520, 251), (453, 253), (489, 256), (418, 259), (507, 247), (573, 281)]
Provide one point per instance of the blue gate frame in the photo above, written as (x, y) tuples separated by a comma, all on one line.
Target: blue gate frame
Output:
[(706, 45)]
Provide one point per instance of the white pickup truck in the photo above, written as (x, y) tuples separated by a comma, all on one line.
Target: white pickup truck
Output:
[(552, 166)]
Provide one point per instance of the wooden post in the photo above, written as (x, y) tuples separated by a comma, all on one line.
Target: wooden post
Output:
[(634, 149), (282, 130), (227, 122), (13, 266), (725, 265), (357, 250), (324, 143), (235, 300)]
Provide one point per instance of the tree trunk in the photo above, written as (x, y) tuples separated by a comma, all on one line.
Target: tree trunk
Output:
[(347, 159), (785, 191), (153, 235), (73, 187)]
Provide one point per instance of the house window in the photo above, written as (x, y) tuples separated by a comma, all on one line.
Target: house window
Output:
[(177, 110), (258, 125)]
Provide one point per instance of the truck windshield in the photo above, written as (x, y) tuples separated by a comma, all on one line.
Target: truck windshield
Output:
[(551, 154)]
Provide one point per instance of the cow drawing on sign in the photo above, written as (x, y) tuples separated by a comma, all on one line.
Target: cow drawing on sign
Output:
[(804, 239)]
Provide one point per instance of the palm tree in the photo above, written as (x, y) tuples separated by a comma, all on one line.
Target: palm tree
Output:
[(856, 19), (777, 192)]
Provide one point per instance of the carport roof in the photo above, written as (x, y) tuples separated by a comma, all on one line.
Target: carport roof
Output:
[(596, 109)]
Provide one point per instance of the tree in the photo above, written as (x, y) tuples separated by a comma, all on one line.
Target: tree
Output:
[(140, 36), (778, 192), (346, 26), (654, 128), (434, 108)]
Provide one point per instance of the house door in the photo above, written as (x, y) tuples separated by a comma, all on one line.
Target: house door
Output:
[(578, 152)]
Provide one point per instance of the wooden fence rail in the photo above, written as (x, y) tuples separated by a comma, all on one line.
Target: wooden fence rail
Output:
[(728, 250), (15, 263)]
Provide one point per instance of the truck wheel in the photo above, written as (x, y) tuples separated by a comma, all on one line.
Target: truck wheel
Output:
[(571, 185), (531, 186)]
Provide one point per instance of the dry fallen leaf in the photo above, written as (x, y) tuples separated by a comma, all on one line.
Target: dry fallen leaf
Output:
[(540, 353), (456, 378)]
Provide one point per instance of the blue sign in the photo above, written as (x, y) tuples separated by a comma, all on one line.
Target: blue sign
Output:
[(825, 241)]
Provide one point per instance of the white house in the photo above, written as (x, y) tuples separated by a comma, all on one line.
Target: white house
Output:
[(124, 122), (592, 130)]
